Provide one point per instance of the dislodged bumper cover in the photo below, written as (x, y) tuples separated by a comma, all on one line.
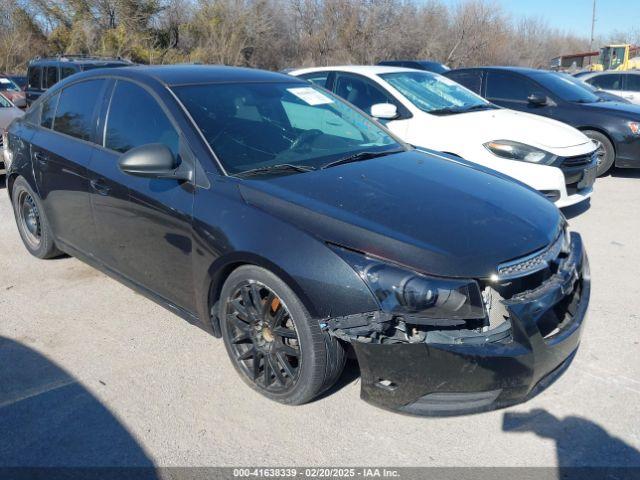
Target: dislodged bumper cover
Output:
[(461, 376)]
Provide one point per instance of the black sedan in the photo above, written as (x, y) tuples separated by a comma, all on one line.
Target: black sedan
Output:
[(615, 125), (275, 215)]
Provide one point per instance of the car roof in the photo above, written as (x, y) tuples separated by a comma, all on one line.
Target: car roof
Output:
[(362, 69), (523, 70), (173, 75)]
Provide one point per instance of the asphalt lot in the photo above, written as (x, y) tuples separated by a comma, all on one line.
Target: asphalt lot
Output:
[(92, 373)]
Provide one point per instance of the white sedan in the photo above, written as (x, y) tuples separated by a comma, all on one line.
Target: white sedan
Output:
[(430, 111)]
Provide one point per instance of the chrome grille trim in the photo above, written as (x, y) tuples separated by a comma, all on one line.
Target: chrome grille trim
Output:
[(534, 262)]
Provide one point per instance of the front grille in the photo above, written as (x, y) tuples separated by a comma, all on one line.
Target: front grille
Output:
[(535, 262), (578, 160)]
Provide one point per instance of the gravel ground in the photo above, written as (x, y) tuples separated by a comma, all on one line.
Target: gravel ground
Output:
[(92, 373)]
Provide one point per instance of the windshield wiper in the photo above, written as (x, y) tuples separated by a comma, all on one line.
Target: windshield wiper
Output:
[(358, 157), (481, 106), (446, 111), (280, 167)]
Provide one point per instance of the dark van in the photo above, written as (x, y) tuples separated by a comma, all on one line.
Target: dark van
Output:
[(43, 73)]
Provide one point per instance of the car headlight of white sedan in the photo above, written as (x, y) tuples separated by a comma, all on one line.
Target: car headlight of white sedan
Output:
[(520, 151)]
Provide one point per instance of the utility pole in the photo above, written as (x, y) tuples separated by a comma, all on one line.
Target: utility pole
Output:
[(593, 25)]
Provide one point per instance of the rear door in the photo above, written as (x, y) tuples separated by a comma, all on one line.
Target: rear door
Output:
[(61, 151), (511, 90), (143, 224)]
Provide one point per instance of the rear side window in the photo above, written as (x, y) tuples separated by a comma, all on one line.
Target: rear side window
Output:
[(607, 82), (67, 71), (34, 77), (319, 78), (470, 80), (74, 115), (504, 86), (633, 83), (48, 111), (360, 92), (136, 118), (50, 76)]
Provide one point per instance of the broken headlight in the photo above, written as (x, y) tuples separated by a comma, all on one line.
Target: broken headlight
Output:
[(404, 292)]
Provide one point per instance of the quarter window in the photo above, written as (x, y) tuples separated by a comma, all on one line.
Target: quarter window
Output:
[(504, 86), (136, 118), (633, 83), (48, 111), (74, 115)]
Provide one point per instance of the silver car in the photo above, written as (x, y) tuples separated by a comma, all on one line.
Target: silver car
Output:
[(8, 111)]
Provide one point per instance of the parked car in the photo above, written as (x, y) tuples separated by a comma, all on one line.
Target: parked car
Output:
[(623, 84), (10, 90), (20, 80), (431, 111), (602, 94), (43, 73), (615, 125), (8, 112), (272, 213), (427, 65)]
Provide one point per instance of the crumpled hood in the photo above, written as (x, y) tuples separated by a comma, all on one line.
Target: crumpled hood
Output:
[(505, 124), (435, 215)]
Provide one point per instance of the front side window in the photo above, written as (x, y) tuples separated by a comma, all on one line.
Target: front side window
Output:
[(361, 92), (135, 119), (74, 115), (564, 88), (435, 94), (256, 125), (611, 81), (34, 77), (49, 111)]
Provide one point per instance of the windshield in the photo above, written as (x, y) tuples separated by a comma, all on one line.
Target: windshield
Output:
[(564, 88), (8, 85), (433, 93), (579, 82), (258, 125)]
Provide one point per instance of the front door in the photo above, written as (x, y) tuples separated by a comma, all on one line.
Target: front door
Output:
[(143, 224)]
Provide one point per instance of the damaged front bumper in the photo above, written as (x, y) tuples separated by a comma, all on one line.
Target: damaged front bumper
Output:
[(459, 372)]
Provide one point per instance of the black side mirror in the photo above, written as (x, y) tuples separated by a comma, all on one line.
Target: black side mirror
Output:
[(537, 98), (154, 160)]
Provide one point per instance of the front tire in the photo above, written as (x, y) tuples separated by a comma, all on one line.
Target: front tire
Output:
[(606, 152), (32, 223), (273, 343)]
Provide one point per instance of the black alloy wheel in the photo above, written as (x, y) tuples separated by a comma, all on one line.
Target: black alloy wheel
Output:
[(263, 339), (273, 342)]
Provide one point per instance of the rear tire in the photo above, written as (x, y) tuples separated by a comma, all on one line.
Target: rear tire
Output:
[(33, 226), (272, 341), (606, 152)]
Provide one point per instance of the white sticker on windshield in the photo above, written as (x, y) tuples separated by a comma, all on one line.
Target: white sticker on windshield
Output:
[(310, 95), (4, 80)]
